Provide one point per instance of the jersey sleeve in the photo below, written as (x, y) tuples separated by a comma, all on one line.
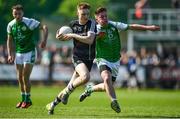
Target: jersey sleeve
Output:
[(33, 24), (92, 27), (119, 25), (71, 24), (9, 29)]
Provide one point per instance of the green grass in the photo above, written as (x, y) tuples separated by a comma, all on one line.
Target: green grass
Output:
[(137, 104)]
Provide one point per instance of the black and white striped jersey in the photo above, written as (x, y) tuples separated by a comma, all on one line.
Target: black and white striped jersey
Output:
[(82, 50)]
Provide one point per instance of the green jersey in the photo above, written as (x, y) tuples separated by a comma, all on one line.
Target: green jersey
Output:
[(108, 44), (22, 33)]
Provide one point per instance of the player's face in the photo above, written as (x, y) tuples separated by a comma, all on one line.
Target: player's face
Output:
[(17, 14), (83, 15), (101, 18)]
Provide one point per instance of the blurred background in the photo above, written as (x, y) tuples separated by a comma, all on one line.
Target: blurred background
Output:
[(148, 59)]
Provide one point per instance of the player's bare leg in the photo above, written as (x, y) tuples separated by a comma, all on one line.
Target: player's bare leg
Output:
[(84, 75), (83, 78), (19, 69), (50, 107), (107, 78), (106, 86), (27, 85)]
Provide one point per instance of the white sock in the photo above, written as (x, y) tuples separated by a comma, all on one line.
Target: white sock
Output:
[(113, 99)]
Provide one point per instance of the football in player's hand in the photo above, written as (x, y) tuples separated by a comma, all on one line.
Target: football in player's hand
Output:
[(64, 30)]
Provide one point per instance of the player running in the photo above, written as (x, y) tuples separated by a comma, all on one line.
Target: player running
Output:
[(83, 53), (108, 48), (20, 31)]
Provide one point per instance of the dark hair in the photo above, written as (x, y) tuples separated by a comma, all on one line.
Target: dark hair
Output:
[(100, 9), (17, 7), (83, 5)]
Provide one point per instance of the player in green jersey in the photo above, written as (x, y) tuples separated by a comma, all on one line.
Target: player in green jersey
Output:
[(108, 48), (20, 31)]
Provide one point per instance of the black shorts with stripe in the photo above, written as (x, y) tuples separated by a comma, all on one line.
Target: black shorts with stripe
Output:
[(77, 61)]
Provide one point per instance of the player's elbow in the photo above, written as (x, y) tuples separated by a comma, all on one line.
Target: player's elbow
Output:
[(91, 40), (44, 28)]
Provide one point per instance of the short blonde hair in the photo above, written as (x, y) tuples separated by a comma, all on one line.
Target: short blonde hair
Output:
[(83, 5)]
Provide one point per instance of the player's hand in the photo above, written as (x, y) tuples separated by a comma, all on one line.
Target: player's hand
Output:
[(10, 59), (101, 35), (58, 36), (42, 44), (154, 28), (68, 36), (64, 36)]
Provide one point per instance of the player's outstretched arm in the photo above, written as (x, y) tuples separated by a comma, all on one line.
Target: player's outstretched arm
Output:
[(143, 27), (44, 30)]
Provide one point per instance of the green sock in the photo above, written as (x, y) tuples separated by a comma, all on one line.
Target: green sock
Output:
[(27, 97), (23, 97)]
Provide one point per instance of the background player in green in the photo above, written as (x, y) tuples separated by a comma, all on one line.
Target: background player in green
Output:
[(20, 31), (108, 48)]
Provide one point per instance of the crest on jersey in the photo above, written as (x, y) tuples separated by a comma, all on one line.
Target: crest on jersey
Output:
[(113, 29), (24, 28), (79, 29)]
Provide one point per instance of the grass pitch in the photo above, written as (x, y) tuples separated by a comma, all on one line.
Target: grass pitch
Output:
[(134, 104)]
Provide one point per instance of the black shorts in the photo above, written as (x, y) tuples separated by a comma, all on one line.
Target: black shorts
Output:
[(77, 61), (104, 67)]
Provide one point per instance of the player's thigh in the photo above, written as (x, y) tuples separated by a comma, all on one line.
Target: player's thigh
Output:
[(82, 70), (19, 69), (74, 76), (27, 69)]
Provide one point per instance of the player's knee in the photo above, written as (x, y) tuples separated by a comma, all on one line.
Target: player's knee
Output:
[(85, 77), (106, 79)]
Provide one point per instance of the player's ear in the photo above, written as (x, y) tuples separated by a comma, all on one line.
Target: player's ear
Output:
[(95, 16), (77, 13)]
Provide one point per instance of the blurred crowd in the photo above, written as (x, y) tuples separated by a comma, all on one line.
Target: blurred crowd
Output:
[(49, 55), (55, 55), (144, 57)]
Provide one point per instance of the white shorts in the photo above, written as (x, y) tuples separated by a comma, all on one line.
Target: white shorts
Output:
[(114, 66), (26, 58)]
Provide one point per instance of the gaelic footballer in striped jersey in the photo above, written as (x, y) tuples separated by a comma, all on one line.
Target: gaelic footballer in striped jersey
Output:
[(83, 53)]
